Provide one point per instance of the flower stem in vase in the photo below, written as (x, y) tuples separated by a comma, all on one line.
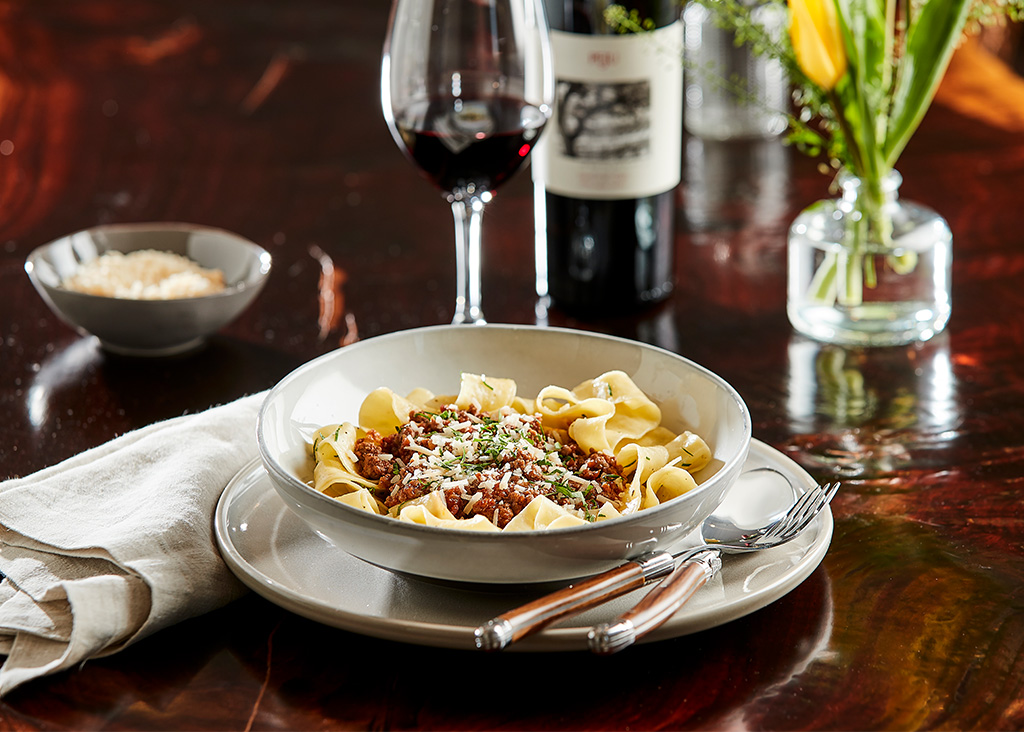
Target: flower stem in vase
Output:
[(867, 268)]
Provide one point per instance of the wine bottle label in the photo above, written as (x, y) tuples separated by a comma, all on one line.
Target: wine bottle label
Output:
[(617, 124)]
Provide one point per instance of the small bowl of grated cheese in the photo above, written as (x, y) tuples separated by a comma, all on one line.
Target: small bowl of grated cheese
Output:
[(153, 289)]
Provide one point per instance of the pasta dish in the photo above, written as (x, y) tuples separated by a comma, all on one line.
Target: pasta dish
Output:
[(491, 460)]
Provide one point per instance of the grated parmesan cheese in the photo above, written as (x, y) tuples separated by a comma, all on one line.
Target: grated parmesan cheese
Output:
[(145, 275)]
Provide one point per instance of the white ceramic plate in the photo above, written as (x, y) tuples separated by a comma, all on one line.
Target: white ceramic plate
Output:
[(277, 555)]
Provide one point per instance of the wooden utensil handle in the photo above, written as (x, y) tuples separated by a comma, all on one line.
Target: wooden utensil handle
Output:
[(657, 606), (575, 598)]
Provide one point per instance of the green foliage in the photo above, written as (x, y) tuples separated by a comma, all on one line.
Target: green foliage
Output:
[(993, 12), (933, 35), (898, 52), (617, 17)]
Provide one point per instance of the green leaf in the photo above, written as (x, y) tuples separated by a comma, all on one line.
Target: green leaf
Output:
[(931, 39), (865, 100)]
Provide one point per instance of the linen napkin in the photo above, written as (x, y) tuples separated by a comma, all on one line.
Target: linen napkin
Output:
[(116, 543)]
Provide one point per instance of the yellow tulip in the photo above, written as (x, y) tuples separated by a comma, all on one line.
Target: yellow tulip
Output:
[(818, 41)]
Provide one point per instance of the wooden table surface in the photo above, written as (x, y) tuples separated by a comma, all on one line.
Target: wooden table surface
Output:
[(264, 118)]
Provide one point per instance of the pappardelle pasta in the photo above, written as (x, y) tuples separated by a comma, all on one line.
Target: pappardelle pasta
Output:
[(491, 460)]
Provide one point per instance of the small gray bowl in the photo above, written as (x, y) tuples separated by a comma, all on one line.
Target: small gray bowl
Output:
[(150, 327)]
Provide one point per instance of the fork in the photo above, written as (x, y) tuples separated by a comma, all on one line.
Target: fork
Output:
[(697, 567), (680, 583)]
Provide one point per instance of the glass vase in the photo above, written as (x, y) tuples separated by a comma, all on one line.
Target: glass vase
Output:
[(868, 269)]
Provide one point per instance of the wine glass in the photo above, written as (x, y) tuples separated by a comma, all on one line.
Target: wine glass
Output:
[(467, 87)]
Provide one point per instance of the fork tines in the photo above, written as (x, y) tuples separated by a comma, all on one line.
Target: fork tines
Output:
[(803, 511)]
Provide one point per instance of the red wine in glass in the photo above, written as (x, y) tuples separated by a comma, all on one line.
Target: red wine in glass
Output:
[(470, 146), (466, 89)]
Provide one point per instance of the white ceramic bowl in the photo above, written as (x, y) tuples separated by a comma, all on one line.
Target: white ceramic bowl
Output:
[(150, 327), (331, 388)]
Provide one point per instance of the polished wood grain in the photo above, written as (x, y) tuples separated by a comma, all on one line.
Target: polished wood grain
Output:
[(263, 118)]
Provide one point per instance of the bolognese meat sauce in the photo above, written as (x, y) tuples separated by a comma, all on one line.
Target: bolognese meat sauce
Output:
[(488, 466)]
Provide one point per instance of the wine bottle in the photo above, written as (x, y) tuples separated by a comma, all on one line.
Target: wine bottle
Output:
[(606, 171)]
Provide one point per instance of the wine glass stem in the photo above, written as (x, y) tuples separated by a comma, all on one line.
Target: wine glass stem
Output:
[(468, 222)]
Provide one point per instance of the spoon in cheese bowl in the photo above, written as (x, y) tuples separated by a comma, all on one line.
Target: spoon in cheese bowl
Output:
[(746, 520)]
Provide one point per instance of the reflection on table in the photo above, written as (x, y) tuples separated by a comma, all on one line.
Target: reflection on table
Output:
[(264, 119)]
